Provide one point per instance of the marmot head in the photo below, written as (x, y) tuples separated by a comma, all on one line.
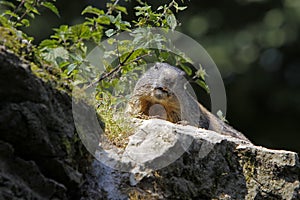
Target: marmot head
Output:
[(157, 92)]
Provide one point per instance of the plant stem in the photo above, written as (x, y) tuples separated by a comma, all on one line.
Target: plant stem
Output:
[(109, 11)]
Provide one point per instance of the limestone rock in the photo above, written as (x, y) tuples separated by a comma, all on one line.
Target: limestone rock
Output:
[(184, 162), (215, 166)]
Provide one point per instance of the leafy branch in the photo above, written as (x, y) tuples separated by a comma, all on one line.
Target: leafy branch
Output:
[(118, 68), (30, 8), (162, 17)]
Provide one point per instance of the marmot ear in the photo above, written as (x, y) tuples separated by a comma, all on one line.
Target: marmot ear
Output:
[(159, 65), (182, 73)]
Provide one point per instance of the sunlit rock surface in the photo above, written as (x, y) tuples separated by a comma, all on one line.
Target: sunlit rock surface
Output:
[(208, 166)]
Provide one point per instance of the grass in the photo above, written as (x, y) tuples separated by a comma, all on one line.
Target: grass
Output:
[(118, 126)]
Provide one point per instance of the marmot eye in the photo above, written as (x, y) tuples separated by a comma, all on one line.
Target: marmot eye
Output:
[(161, 88)]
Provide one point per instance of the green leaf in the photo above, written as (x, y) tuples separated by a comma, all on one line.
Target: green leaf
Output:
[(144, 8), (31, 8), (92, 10), (11, 14), (105, 84), (179, 8), (203, 85), (4, 21), (51, 7), (30, 14), (117, 19), (123, 25), (171, 21), (25, 22), (62, 28), (77, 57), (164, 56), (103, 20), (187, 70), (121, 8), (63, 64), (160, 8), (71, 68), (61, 33), (8, 4), (140, 52), (81, 31), (110, 32), (53, 53)]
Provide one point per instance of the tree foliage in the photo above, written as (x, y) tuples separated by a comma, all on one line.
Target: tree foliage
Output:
[(67, 48)]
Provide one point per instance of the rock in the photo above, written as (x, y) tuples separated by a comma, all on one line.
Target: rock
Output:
[(206, 166), (38, 137), (156, 144), (23, 179)]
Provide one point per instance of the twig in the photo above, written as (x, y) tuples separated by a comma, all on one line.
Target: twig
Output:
[(110, 9), (18, 8), (165, 11), (20, 19), (121, 64), (137, 58), (118, 68)]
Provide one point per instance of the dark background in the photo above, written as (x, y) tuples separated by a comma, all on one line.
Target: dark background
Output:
[(255, 46)]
